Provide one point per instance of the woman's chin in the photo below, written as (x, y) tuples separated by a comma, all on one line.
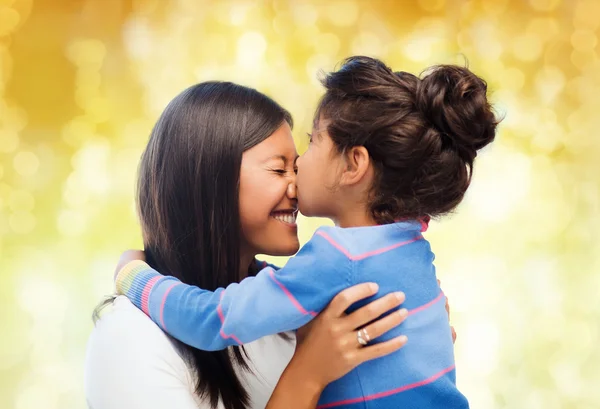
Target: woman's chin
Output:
[(284, 250)]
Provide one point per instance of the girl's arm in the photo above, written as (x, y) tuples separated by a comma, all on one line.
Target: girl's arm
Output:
[(269, 303), (327, 348)]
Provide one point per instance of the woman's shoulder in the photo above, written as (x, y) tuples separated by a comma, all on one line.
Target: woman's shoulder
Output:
[(122, 324), (130, 359), (128, 355)]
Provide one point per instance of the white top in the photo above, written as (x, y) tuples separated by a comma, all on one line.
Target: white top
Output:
[(131, 363)]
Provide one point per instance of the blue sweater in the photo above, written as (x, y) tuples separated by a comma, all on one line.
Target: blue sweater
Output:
[(421, 375)]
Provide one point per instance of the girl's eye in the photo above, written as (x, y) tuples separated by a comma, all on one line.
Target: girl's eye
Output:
[(296, 171)]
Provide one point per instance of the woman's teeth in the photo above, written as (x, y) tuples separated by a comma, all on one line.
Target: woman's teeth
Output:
[(286, 217)]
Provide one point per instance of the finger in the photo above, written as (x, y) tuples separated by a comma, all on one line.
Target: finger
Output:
[(383, 325), (130, 255), (374, 310), (349, 296), (134, 255), (126, 257), (453, 335), (382, 349)]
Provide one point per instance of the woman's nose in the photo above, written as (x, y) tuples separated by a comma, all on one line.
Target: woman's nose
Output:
[(291, 190)]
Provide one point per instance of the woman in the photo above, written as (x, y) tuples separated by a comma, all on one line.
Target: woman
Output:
[(216, 188)]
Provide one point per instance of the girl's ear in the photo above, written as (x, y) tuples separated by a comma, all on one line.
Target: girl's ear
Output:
[(357, 161)]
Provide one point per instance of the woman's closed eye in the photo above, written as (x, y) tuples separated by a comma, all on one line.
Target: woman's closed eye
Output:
[(282, 172), (310, 138)]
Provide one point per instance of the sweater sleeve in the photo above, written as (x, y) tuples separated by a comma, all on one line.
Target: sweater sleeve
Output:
[(263, 264), (273, 301)]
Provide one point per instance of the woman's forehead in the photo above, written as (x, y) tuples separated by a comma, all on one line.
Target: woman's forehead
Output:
[(279, 145)]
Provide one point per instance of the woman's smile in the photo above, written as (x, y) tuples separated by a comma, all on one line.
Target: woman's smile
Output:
[(287, 216)]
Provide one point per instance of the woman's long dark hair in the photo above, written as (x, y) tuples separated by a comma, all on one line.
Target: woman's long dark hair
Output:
[(188, 204)]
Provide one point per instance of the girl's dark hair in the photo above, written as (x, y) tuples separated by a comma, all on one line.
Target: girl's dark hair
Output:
[(188, 204), (422, 134)]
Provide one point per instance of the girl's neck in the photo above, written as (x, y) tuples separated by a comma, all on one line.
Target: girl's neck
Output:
[(354, 217)]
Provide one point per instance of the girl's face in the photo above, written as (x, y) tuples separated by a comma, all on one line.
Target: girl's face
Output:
[(319, 169), (268, 201)]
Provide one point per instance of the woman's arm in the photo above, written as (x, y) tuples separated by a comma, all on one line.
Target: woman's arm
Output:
[(328, 348), (269, 303)]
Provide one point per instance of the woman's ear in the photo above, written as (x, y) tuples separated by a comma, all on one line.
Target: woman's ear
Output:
[(357, 164)]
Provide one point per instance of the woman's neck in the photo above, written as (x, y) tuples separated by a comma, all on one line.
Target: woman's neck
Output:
[(246, 260)]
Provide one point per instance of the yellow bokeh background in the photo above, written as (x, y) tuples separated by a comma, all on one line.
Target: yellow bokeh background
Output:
[(82, 83)]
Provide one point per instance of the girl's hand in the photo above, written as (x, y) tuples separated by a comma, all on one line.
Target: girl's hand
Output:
[(328, 347), (126, 257)]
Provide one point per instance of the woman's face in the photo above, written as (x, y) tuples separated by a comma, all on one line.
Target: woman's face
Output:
[(268, 201)]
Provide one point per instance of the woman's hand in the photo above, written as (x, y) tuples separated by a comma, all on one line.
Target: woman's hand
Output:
[(329, 344), (448, 311), (328, 347), (126, 257)]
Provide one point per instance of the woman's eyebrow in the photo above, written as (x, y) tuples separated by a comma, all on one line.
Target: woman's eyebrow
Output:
[(282, 157)]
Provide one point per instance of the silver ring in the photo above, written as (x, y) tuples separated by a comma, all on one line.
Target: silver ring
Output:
[(366, 335), (362, 337)]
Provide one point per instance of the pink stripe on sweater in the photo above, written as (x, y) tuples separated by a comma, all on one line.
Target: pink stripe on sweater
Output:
[(335, 244), (369, 253), (424, 223), (425, 306), (222, 318), (146, 294), (290, 296), (390, 392), (162, 305)]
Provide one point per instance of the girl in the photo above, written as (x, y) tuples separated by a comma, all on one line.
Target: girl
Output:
[(388, 150)]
